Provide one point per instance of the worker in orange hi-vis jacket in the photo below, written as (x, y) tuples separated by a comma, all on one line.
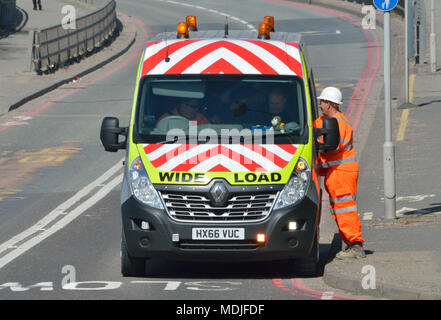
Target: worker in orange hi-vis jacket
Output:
[(340, 169)]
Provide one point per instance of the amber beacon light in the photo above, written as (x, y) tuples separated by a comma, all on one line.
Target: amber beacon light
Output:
[(182, 30), (264, 31), (269, 20), (191, 23)]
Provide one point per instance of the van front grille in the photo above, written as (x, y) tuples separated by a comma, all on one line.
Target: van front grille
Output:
[(241, 208)]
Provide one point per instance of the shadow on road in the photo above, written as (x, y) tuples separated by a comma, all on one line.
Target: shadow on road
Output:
[(158, 268), (436, 207)]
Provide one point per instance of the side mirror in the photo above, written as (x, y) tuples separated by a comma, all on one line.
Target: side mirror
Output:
[(330, 133), (110, 132)]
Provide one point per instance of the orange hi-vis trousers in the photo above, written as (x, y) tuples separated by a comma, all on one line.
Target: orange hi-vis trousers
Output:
[(342, 189)]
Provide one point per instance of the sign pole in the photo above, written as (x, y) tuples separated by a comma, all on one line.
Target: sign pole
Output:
[(388, 147), (406, 18), (432, 39)]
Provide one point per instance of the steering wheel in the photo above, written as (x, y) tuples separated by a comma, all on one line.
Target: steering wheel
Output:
[(174, 117), (171, 122)]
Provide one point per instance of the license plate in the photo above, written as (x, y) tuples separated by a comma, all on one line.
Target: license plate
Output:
[(218, 233)]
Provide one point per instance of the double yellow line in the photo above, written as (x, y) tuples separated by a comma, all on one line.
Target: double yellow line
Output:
[(405, 114)]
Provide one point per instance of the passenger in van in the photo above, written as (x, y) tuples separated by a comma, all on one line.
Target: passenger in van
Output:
[(188, 108), (218, 104)]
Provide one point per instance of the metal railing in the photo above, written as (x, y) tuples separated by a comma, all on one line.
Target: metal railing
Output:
[(58, 46)]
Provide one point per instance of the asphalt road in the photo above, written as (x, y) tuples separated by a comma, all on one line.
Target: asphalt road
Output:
[(53, 167)]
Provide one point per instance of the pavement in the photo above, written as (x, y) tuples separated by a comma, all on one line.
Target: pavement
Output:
[(18, 84), (403, 255)]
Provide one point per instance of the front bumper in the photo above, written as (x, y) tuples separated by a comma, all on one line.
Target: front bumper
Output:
[(280, 243)]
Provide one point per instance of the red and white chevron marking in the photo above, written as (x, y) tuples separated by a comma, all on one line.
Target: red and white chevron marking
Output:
[(219, 158), (223, 56)]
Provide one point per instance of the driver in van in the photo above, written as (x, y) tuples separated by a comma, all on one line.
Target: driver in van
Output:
[(277, 102), (188, 108)]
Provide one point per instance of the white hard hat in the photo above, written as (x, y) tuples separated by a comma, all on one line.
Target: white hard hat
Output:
[(331, 94)]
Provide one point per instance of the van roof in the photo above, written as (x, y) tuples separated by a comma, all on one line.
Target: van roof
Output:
[(208, 52), (232, 34)]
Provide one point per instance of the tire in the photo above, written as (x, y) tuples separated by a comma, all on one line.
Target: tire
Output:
[(308, 266), (130, 266)]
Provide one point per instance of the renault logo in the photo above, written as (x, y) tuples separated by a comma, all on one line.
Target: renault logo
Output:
[(219, 192)]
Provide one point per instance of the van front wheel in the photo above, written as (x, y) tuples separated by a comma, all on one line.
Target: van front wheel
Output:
[(308, 266), (130, 266)]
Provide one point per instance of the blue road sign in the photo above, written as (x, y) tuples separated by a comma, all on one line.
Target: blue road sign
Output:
[(385, 5)]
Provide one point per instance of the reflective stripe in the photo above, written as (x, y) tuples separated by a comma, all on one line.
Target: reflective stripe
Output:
[(343, 199), (336, 162), (345, 142), (348, 144), (343, 210), (343, 120)]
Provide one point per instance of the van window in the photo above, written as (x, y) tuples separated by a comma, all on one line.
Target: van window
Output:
[(228, 105)]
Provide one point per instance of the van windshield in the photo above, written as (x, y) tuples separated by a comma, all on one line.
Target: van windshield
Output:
[(214, 108)]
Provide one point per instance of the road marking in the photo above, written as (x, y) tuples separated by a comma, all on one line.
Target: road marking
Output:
[(368, 215), (114, 285), (319, 85), (10, 194), (212, 11), (17, 120), (416, 198), (18, 167), (60, 216), (400, 213), (327, 295), (405, 114), (403, 124), (411, 85), (279, 284), (319, 33)]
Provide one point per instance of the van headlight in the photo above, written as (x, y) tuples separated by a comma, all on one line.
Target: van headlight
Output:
[(296, 188), (141, 186)]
